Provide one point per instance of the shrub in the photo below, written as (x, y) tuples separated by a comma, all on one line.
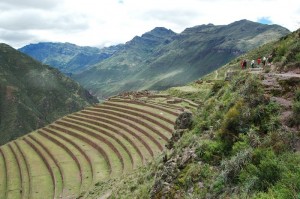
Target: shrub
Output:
[(210, 151), (262, 173), (216, 87), (234, 123)]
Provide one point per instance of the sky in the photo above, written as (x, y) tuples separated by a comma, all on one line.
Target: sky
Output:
[(108, 22)]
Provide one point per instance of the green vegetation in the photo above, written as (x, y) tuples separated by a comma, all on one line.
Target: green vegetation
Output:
[(33, 95), (161, 59), (85, 148), (241, 145)]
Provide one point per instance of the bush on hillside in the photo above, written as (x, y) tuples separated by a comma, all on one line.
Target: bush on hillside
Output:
[(234, 123), (263, 172)]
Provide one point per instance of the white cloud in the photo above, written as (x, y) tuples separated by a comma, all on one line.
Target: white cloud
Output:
[(106, 22)]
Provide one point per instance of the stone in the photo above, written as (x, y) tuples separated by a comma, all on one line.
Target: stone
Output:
[(184, 120)]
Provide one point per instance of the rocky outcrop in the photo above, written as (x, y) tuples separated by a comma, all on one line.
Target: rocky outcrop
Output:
[(169, 173), (184, 120)]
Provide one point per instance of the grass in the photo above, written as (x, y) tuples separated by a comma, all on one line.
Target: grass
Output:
[(99, 143), (41, 183), (109, 135), (135, 139), (50, 163), (116, 134), (3, 176), (111, 146), (136, 116), (71, 179), (100, 167), (24, 173), (76, 153), (142, 127), (14, 184), (146, 110)]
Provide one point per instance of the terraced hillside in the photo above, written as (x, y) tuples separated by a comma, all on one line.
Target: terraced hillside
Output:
[(107, 140)]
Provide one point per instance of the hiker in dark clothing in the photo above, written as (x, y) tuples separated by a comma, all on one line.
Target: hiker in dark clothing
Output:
[(244, 64)]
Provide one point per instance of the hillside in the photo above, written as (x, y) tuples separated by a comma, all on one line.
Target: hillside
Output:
[(161, 59), (33, 95), (104, 141), (68, 58), (245, 137)]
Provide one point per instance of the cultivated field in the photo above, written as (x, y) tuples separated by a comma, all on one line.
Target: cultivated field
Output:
[(107, 140)]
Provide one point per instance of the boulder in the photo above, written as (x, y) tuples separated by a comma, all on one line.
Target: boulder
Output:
[(184, 120)]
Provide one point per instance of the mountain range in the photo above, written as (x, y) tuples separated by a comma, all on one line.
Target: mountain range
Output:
[(69, 58), (161, 58), (33, 95)]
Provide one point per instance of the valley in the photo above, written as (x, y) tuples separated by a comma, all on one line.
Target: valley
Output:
[(178, 117)]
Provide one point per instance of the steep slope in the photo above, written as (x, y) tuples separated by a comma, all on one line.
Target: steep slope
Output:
[(100, 142), (68, 58), (245, 140), (149, 63), (32, 94)]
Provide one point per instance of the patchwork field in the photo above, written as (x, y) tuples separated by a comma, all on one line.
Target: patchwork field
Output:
[(107, 140)]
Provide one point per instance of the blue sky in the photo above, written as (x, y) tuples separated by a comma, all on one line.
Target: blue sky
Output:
[(107, 22), (265, 20)]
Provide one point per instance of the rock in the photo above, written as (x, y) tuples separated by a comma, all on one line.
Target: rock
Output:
[(175, 137), (184, 120), (187, 156)]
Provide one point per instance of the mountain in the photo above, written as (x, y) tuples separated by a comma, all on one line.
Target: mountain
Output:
[(244, 141), (68, 58), (33, 95), (160, 59)]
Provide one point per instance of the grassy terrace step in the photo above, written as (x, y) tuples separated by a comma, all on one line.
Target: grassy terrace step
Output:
[(96, 163), (138, 125), (156, 121), (154, 126), (147, 115), (104, 147), (126, 130), (71, 178), (66, 154), (41, 184), (162, 115), (66, 157), (54, 172), (108, 133), (3, 175), (81, 139), (14, 184), (25, 170), (115, 133), (105, 141), (19, 168), (145, 104), (169, 106)]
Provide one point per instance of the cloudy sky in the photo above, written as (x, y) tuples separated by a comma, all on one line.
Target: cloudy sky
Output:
[(107, 22)]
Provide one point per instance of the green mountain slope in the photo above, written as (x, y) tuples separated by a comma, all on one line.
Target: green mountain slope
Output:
[(32, 94), (68, 58), (160, 59), (245, 138)]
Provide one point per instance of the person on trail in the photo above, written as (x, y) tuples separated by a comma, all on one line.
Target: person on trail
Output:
[(264, 61), (244, 64), (258, 61), (252, 63), (269, 59)]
